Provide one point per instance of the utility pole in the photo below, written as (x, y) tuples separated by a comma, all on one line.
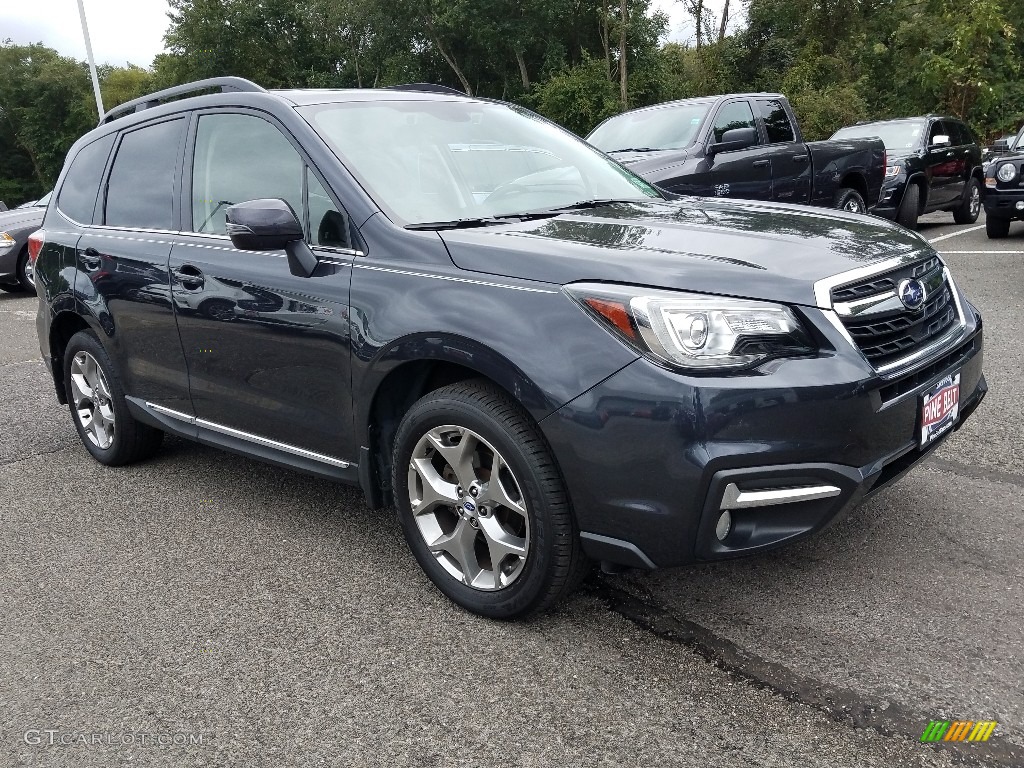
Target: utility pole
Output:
[(92, 61)]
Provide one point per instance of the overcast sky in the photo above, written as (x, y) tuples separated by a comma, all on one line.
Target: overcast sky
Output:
[(132, 31)]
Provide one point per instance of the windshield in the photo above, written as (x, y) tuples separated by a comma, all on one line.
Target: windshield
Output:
[(440, 161), (901, 134), (672, 127)]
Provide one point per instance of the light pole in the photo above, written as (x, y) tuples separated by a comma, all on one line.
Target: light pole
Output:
[(92, 61)]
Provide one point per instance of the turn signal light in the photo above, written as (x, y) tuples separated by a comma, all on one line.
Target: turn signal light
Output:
[(35, 244)]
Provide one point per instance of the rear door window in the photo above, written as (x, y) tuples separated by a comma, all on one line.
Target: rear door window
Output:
[(776, 122), (77, 197), (140, 192), (735, 114)]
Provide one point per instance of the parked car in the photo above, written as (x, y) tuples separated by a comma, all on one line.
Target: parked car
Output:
[(1004, 193), (934, 164), (535, 356), (1004, 145), (15, 227), (742, 145)]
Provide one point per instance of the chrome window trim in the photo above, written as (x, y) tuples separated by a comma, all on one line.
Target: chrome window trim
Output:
[(249, 437)]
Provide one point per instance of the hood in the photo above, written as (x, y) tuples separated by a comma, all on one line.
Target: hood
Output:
[(739, 248), (647, 163), (20, 218), (902, 154)]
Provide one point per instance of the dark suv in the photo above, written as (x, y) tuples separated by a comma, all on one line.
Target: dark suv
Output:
[(934, 164), (480, 319), (1004, 189)]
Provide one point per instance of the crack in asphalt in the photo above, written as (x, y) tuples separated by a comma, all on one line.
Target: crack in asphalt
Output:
[(839, 704), (9, 462), (977, 473)]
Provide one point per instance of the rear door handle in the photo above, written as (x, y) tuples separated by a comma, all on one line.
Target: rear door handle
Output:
[(91, 259), (761, 163), (189, 276)]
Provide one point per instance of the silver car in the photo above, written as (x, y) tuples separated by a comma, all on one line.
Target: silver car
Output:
[(15, 227)]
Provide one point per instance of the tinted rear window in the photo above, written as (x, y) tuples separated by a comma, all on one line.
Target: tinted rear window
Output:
[(77, 196), (141, 188)]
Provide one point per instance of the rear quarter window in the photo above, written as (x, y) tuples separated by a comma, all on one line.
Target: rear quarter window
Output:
[(77, 197), (140, 192)]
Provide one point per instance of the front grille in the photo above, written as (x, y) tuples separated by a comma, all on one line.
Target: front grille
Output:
[(889, 331)]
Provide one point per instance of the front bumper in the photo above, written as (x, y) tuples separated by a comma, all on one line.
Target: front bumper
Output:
[(1002, 203), (890, 198), (651, 457)]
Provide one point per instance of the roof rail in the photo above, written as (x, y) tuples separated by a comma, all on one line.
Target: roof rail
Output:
[(223, 84), (426, 88)]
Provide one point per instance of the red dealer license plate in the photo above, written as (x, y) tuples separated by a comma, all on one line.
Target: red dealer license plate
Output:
[(940, 408)]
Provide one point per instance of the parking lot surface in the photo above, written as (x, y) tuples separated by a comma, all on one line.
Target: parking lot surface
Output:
[(273, 621)]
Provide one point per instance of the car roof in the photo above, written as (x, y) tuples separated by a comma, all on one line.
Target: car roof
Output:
[(700, 100)]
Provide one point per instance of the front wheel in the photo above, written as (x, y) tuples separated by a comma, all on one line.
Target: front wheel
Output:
[(482, 504), (96, 399), (996, 228), (909, 208), (970, 206), (850, 200)]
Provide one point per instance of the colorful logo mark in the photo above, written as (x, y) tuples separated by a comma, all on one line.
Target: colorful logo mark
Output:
[(959, 730)]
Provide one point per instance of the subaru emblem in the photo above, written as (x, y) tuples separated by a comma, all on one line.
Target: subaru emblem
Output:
[(912, 293)]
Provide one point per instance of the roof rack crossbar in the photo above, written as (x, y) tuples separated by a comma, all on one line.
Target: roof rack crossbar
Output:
[(224, 84), (426, 88)]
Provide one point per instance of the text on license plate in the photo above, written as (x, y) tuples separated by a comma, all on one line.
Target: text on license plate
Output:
[(940, 408)]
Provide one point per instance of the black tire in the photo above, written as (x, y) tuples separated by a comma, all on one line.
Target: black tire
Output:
[(909, 207), (970, 206), (847, 199), (996, 228), (554, 563), (132, 441)]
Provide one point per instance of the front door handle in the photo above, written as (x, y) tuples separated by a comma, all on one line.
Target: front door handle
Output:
[(91, 259), (761, 163), (799, 158), (189, 276)]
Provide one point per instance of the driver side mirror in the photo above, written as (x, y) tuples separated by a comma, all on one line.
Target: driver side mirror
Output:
[(737, 138), (270, 224)]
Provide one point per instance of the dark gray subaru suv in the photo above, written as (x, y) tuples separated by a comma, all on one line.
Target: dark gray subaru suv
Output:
[(535, 356)]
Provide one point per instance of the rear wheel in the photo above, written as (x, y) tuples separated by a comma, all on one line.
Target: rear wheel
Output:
[(970, 206), (98, 408), (850, 200), (482, 505), (910, 207), (996, 228)]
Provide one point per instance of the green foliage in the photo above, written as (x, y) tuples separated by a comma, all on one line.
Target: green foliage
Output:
[(838, 61), (580, 97)]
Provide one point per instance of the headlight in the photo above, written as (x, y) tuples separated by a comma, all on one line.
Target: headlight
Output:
[(1006, 172), (892, 171), (694, 332)]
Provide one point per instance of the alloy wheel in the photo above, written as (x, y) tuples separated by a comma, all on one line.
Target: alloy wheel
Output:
[(469, 507), (975, 200), (90, 394)]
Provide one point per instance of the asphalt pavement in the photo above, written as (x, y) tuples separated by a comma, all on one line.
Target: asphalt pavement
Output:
[(201, 609)]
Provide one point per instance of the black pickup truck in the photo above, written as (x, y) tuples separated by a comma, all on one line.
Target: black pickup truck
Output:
[(742, 145)]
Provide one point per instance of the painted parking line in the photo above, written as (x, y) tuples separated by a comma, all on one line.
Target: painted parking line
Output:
[(956, 234), (1009, 253)]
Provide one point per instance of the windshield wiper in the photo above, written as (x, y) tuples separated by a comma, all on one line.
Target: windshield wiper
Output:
[(595, 203), (481, 221), (636, 149)]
